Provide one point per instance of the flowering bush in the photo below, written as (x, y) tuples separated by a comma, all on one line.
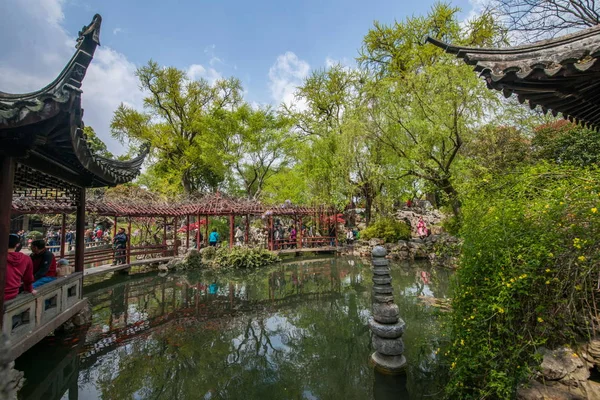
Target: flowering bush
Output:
[(527, 277)]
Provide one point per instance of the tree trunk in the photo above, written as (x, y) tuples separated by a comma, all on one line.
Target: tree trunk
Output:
[(447, 187)]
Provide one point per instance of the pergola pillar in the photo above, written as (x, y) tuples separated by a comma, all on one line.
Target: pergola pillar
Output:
[(231, 224), (205, 231), (175, 247), (7, 177), (187, 232), (63, 235), (165, 253), (299, 233), (247, 233), (80, 231), (198, 244), (115, 227), (129, 240)]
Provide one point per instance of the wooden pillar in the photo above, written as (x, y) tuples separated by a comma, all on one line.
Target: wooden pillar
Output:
[(299, 234), (231, 223), (198, 244), (335, 227), (63, 236), (165, 252), (7, 177), (175, 247), (129, 241), (247, 233), (271, 233), (80, 232), (115, 226), (205, 231), (187, 232)]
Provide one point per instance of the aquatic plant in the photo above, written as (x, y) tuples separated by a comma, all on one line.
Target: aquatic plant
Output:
[(243, 257)]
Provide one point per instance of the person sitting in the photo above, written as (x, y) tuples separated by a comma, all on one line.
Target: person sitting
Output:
[(44, 263), (213, 238), (19, 270)]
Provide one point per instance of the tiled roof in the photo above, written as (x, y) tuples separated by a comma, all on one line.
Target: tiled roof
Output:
[(559, 75)]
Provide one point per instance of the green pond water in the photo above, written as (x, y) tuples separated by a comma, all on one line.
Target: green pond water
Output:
[(293, 331)]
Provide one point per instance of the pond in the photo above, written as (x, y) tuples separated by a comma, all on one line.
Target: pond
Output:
[(293, 331)]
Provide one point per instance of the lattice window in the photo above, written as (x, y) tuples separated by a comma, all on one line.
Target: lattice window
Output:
[(34, 185)]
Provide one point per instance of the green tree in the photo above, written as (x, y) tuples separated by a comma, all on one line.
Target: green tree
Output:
[(424, 104), (262, 148), (563, 142), (95, 144), (188, 123)]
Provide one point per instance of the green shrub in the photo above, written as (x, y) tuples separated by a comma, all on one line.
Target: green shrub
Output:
[(387, 229), (527, 276), (35, 235), (244, 257), (208, 254)]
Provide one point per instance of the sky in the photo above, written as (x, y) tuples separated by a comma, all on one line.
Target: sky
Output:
[(271, 46)]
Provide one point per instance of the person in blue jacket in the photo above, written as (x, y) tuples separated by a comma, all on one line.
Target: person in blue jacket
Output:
[(213, 238)]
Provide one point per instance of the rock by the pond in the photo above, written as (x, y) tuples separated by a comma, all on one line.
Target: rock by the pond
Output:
[(388, 347), (390, 331), (563, 364), (375, 242)]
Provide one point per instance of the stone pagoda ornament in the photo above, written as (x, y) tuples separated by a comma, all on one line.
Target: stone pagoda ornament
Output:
[(386, 325)]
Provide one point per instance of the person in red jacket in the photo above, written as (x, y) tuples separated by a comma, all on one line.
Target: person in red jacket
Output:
[(19, 270), (44, 263)]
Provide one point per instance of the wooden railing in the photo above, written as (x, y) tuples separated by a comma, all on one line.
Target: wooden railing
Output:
[(305, 242), (27, 318)]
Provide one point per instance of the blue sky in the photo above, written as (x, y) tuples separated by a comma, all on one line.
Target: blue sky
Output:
[(270, 45)]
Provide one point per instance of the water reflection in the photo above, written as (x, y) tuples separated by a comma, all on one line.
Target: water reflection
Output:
[(296, 331)]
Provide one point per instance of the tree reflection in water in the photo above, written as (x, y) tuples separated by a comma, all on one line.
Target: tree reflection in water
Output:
[(296, 331)]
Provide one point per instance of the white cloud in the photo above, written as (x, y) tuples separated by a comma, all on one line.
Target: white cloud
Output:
[(214, 60), (197, 71), (285, 75), (116, 31), (35, 48)]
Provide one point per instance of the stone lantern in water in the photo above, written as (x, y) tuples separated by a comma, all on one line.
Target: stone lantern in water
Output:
[(386, 324)]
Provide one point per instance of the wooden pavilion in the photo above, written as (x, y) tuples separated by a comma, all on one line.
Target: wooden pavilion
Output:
[(560, 75), (45, 157)]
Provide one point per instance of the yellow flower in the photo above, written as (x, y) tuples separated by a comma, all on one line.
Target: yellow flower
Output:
[(550, 255), (547, 205), (547, 269), (561, 203), (501, 310), (453, 365), (581, 258), (462, 342), (472, 317), (540, 320), (594, 210), (508, 285), (578, 287), (547, 282)]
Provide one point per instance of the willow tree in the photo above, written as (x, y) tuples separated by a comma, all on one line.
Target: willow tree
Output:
[(188, 124), (423, 103)]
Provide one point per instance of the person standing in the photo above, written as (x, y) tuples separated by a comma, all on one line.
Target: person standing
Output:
[(239, 236), (293, 235), (19, 270), (421, 228), (119, 245), (213, 238), (44, 263)]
